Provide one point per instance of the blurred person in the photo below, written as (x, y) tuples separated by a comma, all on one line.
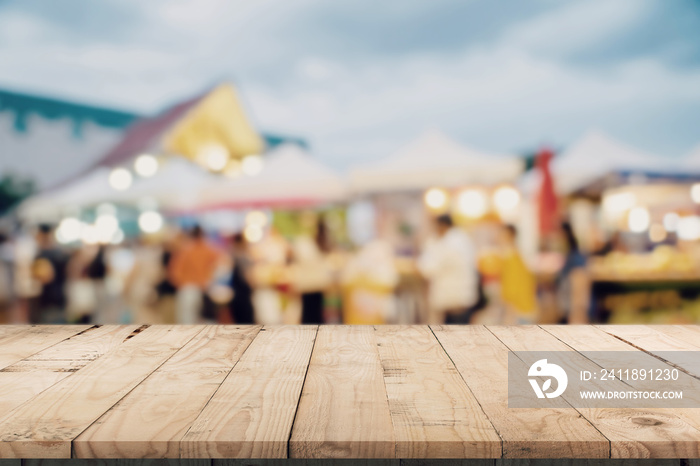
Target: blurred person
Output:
[(7, 282), (191, 271), (142, 287), (311, 275), (96, 271), (80, 292), (573, 284), (166, 290), (518, 284), (369, 280), (270, 257), (448, 262), (241, 305), (613, 244), (49, 269)]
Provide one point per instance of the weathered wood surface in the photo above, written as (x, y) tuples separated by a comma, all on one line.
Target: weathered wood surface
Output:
[(309, 392)]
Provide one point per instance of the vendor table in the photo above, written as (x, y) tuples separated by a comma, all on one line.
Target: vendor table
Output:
[(315, 392)]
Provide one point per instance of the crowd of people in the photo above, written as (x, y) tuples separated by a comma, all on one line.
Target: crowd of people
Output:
[(192, 276)]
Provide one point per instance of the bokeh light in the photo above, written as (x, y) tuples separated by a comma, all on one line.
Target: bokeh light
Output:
[(472, 203), (638, 220), (146, 165), (120, 179), (150, 222)]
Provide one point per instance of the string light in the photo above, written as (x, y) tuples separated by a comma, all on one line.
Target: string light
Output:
[(435, 198), (506, 199), (150, 222), (638, 220), (120, 179), (146, 165), (472, 203), (252, 165)]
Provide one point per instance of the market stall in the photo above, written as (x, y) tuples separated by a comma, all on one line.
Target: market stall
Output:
[(590, 158), (434, 160), (435, 175), (645, 264), (161, 164), (290, 177)]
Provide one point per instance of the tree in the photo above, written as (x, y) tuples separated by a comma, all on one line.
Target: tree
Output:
[(13, 189)]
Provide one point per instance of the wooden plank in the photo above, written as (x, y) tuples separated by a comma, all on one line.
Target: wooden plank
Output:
[(329, 462), (21, 381), (433, 412), (659, 435), (45, 426), (18, 345), (151, 420), (688, 334), (115, 462), (482, 360), (590, 462), (671, 343), (11, 329), (88, 345), (651, 338), (603, 348), (251, 414), (343, 411)]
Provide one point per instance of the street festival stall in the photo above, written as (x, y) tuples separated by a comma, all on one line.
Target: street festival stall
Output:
[(637, 216), (443, 176), (163, 164), (201, 161), (160, 163), (433, 175)]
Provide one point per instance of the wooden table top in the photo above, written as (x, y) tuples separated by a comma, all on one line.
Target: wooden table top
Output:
[(314, 392)]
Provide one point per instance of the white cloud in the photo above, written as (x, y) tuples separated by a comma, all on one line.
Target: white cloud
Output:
[(512, 92), (574, 27)]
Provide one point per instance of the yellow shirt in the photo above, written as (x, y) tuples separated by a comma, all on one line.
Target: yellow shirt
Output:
[(518, 285)]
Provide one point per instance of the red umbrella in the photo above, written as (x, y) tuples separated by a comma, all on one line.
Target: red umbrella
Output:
[(547, 198)]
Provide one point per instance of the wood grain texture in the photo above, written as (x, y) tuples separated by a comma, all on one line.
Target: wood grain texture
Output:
[(45, 426), (433, 412), (23, 380), (115, 462), (251, 414), (17, 345), (662, 434), (602, 349), (255, 395), (653, 337), (87, 345), (482, 360), (151, 420), (321, 462), (674, 344), (343, 411)]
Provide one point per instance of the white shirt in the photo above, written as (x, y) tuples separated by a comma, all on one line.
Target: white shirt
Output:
[(449, 263)]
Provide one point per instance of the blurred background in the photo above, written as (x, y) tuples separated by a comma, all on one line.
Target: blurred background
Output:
[(349, 162)]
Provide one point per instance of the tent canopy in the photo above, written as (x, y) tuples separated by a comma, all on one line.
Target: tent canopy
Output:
[(434, 160), (213, 117), (592, 157), (290, 177), (175, 186)]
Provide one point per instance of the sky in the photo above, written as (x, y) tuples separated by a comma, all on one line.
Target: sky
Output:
[(360, 78)]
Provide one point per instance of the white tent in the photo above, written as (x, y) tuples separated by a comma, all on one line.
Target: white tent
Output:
[(434, 160), (592, 156), (174, 186), (290, 176)]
